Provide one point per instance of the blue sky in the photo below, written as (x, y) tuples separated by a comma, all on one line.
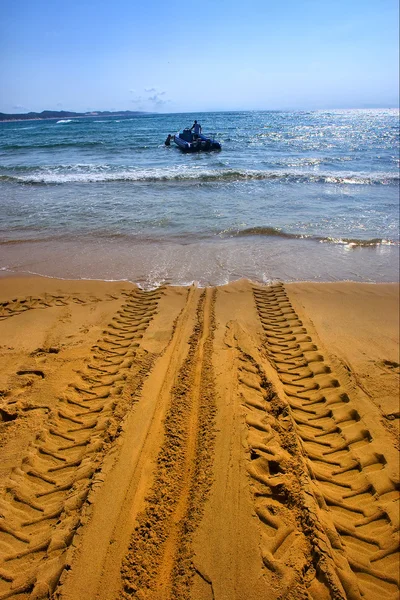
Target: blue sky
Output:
[(175, 55)]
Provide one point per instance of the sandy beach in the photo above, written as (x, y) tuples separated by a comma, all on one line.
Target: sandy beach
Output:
[(206, 444)]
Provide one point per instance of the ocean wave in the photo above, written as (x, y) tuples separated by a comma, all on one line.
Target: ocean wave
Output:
[(53, 145), (64, 121), (146, 237), (26, 240), (103, 174), (275, 232)]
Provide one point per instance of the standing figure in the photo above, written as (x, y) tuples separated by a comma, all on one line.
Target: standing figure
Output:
[(196, 128)]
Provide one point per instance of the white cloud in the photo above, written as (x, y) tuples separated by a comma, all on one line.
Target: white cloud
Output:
[(157, 100)]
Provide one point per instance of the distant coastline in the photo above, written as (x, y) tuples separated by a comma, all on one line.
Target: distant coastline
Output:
[(64, 114)]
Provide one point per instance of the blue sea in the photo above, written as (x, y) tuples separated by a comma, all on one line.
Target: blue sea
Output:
[(292, 196)]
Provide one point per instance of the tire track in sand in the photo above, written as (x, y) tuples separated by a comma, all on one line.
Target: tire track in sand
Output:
[(16, 306), (353, 486), (289, 530), (41, 503), (159, 564)]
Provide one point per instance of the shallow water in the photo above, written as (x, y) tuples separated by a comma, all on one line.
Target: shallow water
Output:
[(292, 196)]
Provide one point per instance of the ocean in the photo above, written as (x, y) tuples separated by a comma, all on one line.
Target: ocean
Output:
[(292, 196)]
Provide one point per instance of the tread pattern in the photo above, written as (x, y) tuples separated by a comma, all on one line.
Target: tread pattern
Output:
[(289, 529), (271, 465), (355, 490), (16, 306), (159, 559), (41, 503)]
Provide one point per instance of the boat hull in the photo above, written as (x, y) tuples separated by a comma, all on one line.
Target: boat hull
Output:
[(188, 143)]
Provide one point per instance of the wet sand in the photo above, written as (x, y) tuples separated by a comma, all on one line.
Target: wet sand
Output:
[(206, 444)]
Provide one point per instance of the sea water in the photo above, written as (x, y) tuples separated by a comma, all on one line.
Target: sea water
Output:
[(291, 196)]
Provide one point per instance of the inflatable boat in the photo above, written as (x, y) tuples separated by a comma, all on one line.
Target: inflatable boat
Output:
[(190, 142)]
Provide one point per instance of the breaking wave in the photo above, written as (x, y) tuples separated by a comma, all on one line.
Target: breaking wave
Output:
[(44, 146), (274, 232), (36, 237), (97, 173)]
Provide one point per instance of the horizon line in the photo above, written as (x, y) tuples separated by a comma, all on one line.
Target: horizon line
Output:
[(92, 113)]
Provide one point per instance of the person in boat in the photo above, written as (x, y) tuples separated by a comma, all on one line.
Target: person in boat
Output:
[(168, 140), (196, 128)]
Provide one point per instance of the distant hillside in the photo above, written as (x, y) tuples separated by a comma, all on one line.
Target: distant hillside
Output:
[(63, 114)]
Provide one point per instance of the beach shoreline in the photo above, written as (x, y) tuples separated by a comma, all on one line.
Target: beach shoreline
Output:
[(217, 261), (293, 196)]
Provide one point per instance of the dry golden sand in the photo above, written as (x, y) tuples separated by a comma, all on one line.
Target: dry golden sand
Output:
[(231, 443)]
